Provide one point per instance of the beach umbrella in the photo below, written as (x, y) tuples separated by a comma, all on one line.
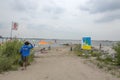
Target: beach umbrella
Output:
[(42, 42)]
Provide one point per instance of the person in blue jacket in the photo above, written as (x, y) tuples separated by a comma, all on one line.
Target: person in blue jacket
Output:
[(25, 52)]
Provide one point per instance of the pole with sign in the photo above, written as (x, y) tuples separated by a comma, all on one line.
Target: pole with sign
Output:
[(86, 43)]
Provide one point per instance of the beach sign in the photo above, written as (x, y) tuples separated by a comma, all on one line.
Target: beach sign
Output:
[(86, 43)]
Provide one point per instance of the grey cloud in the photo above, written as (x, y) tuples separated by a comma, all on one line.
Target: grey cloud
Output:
[(110, 9), (37, 26), (1, 25), (84, 8), (53, 10), (38, 10), (4, 25), (98, 6), (24, 9), (108, 18), (24, 5)]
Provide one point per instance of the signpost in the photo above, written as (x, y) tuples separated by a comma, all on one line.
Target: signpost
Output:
[(86, 43)]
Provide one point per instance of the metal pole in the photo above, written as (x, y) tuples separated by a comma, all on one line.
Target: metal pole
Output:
[(11, 31)]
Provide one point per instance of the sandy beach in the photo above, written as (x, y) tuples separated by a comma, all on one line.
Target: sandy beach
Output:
[(58, 64)]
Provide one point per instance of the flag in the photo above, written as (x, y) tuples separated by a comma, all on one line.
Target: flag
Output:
[(14, 26)]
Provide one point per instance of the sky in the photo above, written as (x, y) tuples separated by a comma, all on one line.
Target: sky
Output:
[(61, 19)]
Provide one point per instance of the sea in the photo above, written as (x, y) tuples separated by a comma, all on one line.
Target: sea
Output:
[(60, 42)]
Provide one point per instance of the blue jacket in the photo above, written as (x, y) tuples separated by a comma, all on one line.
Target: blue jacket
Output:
[(25, 50)]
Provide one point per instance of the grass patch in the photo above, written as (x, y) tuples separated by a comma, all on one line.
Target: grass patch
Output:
[(101, 59), (10, 56)]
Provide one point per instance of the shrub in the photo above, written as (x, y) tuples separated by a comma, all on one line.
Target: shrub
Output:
[(117, 49), (78, 50), (100, 65), (95, 54), (10, 56), (5, 64)]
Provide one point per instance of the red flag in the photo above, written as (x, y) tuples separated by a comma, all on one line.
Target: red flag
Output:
[(14, 26)]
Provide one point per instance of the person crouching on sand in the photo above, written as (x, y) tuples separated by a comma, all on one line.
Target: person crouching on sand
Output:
[(25, 52)]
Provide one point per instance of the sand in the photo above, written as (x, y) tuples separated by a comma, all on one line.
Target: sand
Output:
[(58, 64)]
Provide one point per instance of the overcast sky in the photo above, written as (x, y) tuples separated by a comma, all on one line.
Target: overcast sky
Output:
[(61, 19)]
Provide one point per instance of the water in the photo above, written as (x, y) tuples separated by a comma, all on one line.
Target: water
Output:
[(60, 42), (104, 43), (55, 43)]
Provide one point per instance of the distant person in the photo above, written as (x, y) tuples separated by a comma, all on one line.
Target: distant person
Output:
[(71, 49), (43, 50), (49, 48), (34, 45), (100, 46), (25, 52), (55, 41)]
